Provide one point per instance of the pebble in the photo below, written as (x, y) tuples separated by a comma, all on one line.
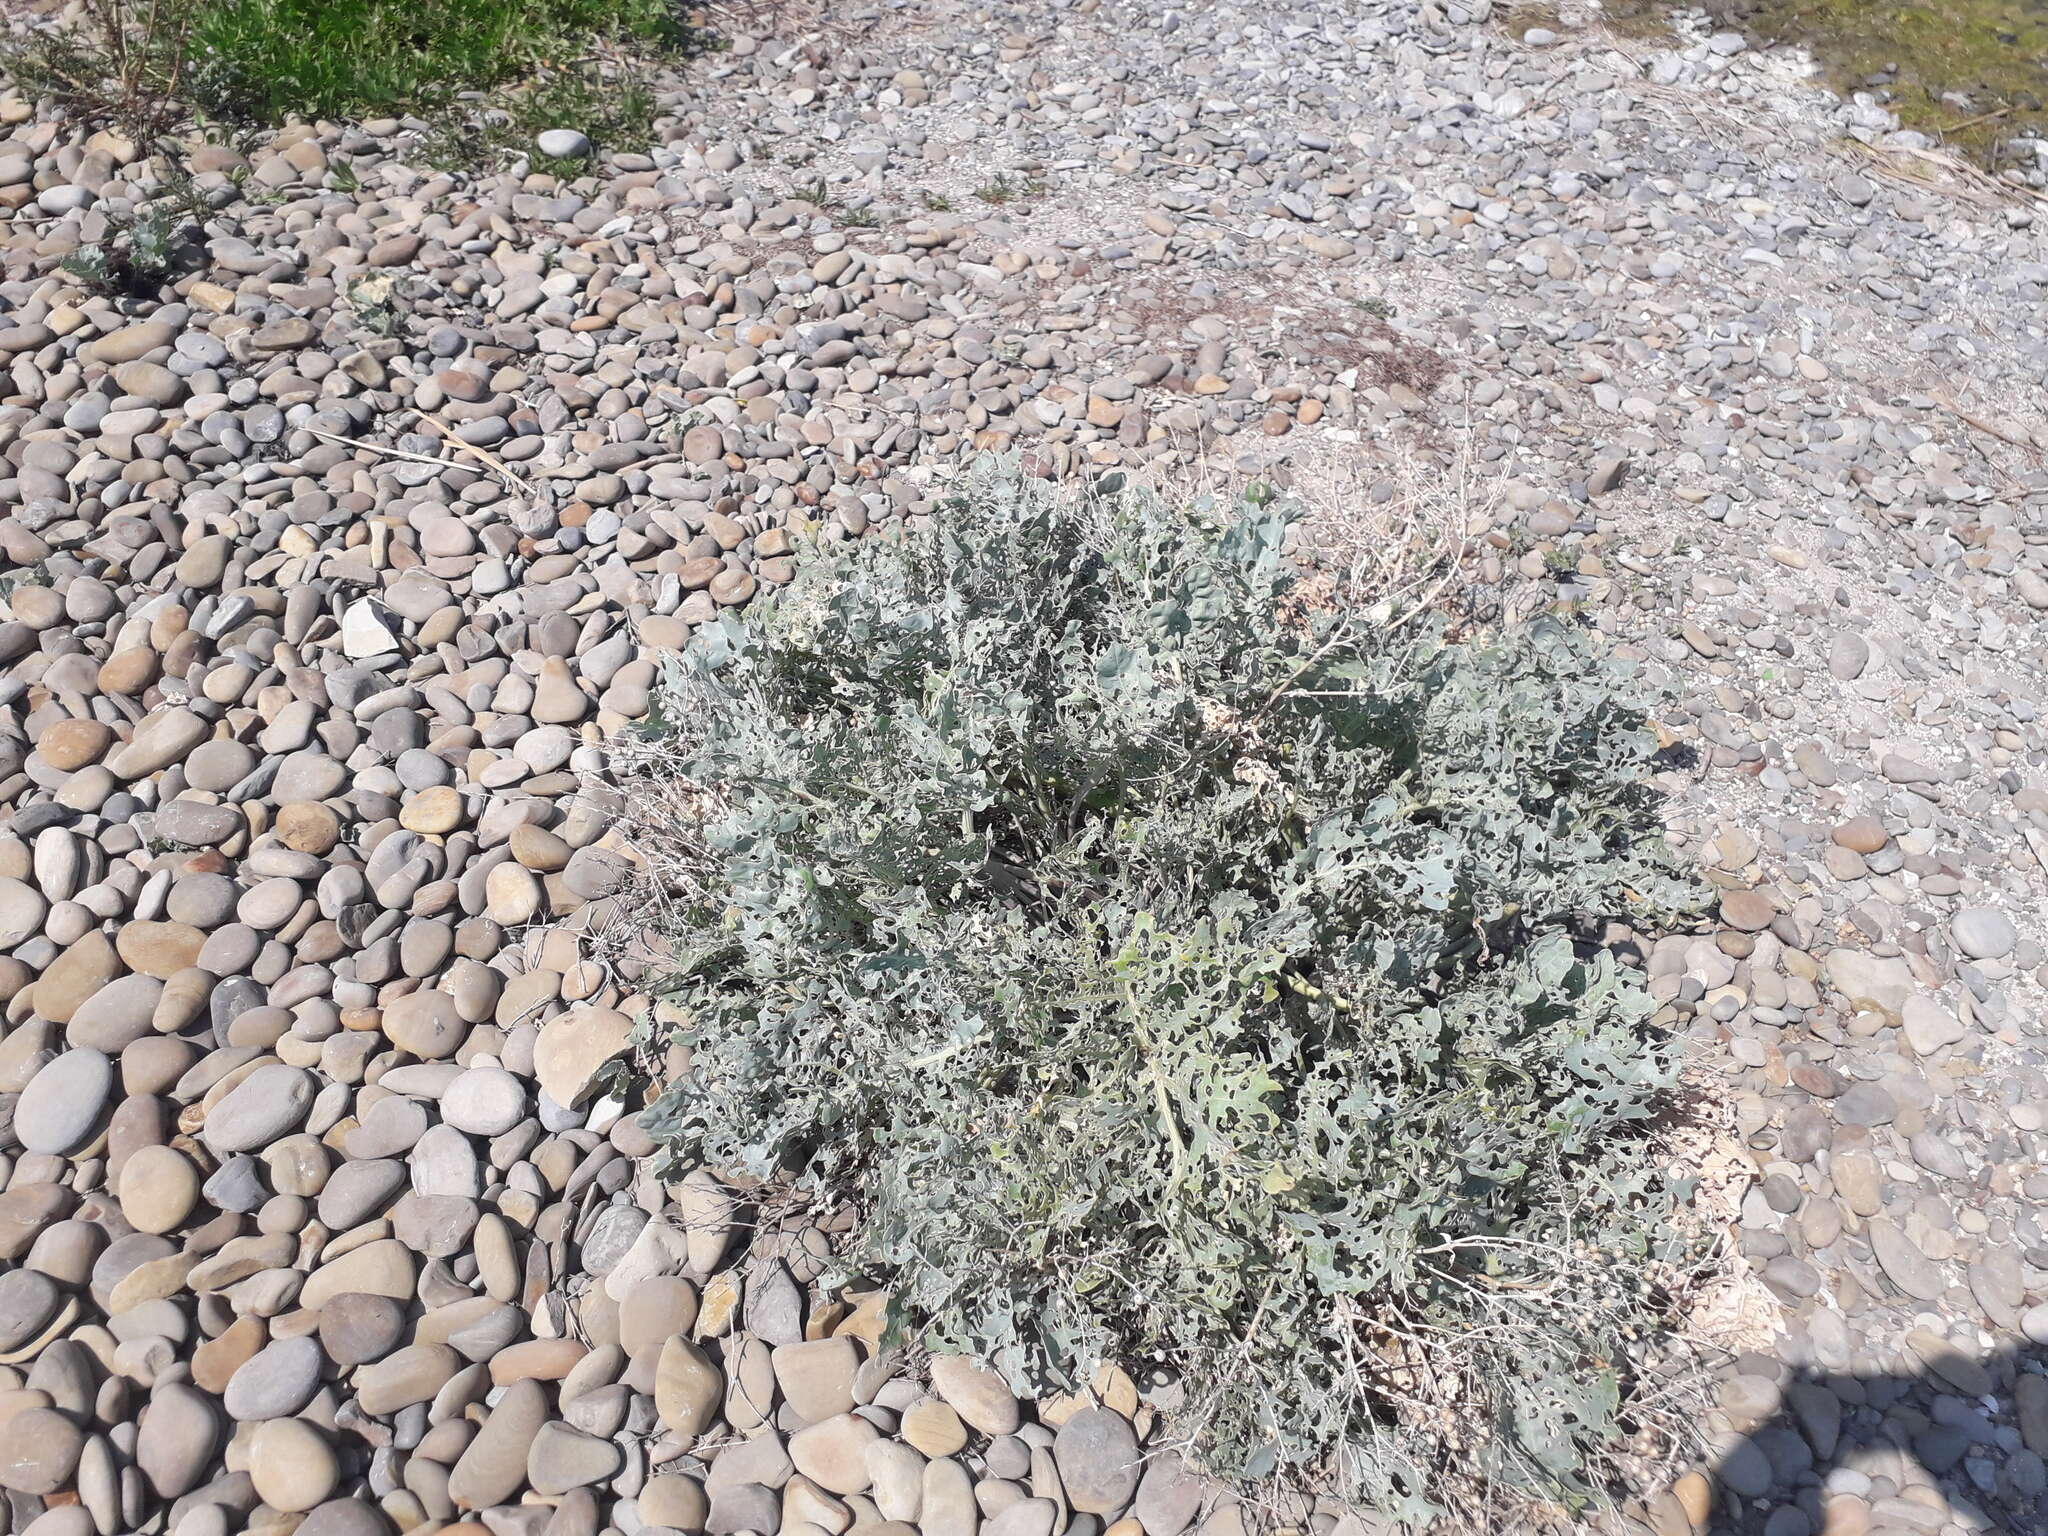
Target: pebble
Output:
[(563, 143), (345, 1517), (484, 1101), (933, 1428), (1028, 1517), (834, 1454), (816, 1376), (41, 1453), (64, 1101), (159, 1188), (28, 1301), (356, 1326), (1904, 1263), (426, 1024), (21, 911), (562, 1458), (976, 1393), (292, 1466), (688, 1387), (575, 1046), (493, 1468), (1099, 1460), (1984, 933), (1747, 911), (265, 1105), (178, 1437), (674, 1502), (275, 1382)]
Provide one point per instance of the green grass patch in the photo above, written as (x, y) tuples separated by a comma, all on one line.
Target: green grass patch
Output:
[(270, 59), (488, 73), (1002, 189), (1972, 72)]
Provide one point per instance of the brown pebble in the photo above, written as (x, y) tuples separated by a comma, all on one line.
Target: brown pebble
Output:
[(42, 1451), (307, 827), (71, 744), (1748, 911), (160, 949), (130, 671)]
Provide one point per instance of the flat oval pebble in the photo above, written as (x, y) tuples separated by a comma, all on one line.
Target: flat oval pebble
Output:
[(561, 1458), (976, 1393), (345, 1517), (265, 1105), (21, 911), (358, 1190), (356, 1327), (292, 1465), (181, 1430), (159, 1187), (1099, 1460), (484, 1101), (63, 1102), (275, 1382), (1983, 933), (494, 1467), (28, 1300), (117, 1015), (41, 1451), (426, 1024)]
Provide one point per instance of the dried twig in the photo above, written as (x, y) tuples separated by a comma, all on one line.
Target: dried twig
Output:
[(490, 461), (1976, 184), (379, 448), (1981, 117), (1989, 429)]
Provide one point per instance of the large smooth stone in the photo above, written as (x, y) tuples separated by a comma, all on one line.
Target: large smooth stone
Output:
[(59, 1109), (174, 1447), (269, 1103)]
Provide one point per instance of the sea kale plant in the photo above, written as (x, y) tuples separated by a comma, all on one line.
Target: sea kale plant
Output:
[(1181, 968)]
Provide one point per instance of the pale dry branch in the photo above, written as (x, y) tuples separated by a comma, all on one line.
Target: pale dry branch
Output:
[(489, 461)]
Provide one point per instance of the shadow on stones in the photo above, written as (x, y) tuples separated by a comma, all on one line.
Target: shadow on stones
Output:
[(1683, 755), (1944, 1443)]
